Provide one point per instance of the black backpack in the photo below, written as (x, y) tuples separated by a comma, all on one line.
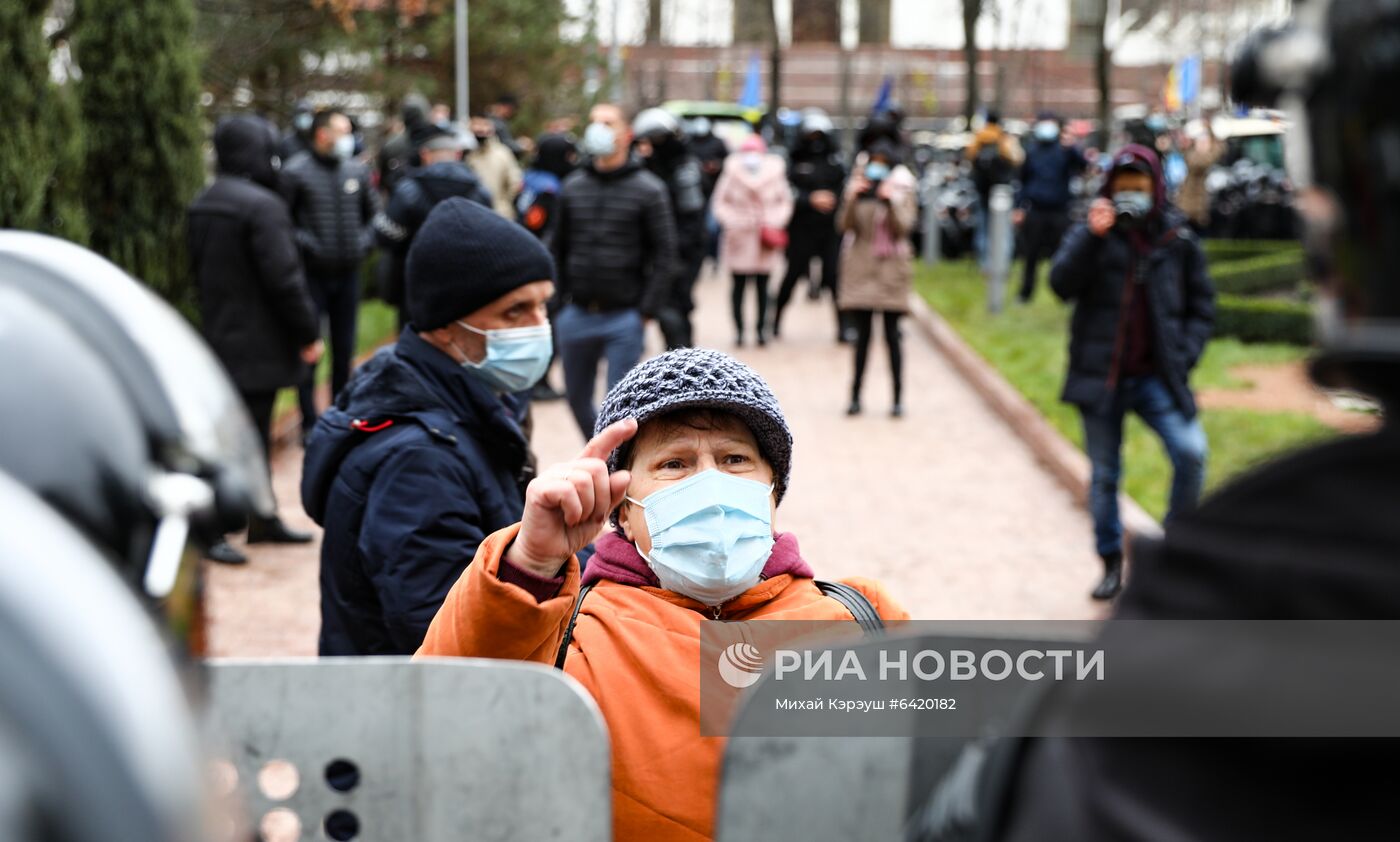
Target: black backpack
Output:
[(990, 167)]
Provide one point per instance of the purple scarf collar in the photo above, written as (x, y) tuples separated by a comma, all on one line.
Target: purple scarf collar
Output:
[(617, 560)]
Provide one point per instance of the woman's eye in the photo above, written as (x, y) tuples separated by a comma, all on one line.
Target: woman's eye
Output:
[(736, 459), (672, 465)]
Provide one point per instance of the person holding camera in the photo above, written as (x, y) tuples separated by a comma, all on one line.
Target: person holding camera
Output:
[(878, 211), (1144, 308)]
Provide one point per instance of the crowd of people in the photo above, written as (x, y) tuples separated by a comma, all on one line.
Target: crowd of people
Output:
[(444, 538)]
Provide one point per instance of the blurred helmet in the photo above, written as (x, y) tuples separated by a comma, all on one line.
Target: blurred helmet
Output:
[(655, 122), (96, 740), (121, 419), (1335, 70), (815, 121)]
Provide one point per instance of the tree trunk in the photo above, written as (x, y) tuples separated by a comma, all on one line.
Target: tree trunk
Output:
[(1103, 68), (653, 32), (753, 21), (775, 61), (816, 21), (972, 10), (875, 21)]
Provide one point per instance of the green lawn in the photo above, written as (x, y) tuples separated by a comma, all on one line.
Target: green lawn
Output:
[(378, 322), (1029, 346)]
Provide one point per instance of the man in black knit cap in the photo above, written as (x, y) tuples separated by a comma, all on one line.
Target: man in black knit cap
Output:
[(424, 453)]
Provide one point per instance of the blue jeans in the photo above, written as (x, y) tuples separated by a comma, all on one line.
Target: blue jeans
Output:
[(584, 339), (1184, 439)]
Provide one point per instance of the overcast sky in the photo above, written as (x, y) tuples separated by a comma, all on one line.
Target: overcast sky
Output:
[(915, 23)]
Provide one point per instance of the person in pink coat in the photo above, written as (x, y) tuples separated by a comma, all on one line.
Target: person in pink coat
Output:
[(752, 203)]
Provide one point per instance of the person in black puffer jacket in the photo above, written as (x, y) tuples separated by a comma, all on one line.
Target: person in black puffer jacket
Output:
[(332, 203), (1144, 310), (253, 303), (442, 176), (615, 248)]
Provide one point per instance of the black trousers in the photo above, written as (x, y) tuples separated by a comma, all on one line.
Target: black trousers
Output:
[(260, 405), (675, 322), (863, 322), (804, 247), (759, 282), (1041, 233), (337, 299)]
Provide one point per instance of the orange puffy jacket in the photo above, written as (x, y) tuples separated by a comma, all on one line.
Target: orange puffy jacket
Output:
[(636, 650)]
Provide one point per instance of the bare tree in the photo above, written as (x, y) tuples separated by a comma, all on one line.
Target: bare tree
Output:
[(816, 21), (875, 21), (653, 30), (971, 11)]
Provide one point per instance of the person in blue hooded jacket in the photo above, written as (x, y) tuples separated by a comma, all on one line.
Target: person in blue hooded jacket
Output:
[(1042, 203), (425, 453), (1144, 309)]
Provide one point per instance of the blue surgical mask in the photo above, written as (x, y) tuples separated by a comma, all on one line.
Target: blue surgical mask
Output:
[(876, 171), (1046, 131), (345, 147), (516, 358), (599, 140), (711, 534)]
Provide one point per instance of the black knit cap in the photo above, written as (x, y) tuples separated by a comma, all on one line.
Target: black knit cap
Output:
[(694, 378), (464, 257)]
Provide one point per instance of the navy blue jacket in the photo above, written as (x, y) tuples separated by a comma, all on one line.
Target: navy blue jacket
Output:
[(1092, 272), (416, 463), (1046, 173)]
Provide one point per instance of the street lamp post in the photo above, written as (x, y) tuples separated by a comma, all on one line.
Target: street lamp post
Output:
[(462, 100)]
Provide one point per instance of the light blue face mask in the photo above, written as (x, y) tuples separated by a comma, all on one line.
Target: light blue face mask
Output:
[(876, 171), (1046, 131), (711, 534), (516, 358)]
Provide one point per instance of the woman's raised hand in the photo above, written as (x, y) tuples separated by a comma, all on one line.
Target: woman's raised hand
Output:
[(567, 505)]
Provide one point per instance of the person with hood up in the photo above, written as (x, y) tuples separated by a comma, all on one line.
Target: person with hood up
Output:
[(441, 176), (1043, 204), (254, 307), (879, 210), (1144, 309), (424, 455), (753, 205), (690, 462), (817, 177), (615, 246)]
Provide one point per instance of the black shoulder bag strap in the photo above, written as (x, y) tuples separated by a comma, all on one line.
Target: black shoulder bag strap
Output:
[(856, 603), (569, 632)]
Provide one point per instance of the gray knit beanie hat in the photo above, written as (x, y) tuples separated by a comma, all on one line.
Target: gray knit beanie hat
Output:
[(695, 378)]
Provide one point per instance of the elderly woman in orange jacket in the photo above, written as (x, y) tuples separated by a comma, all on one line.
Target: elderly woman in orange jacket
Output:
[(690, 444)]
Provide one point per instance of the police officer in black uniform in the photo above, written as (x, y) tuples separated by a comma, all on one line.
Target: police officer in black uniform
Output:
[(817, 176), (661, 146)]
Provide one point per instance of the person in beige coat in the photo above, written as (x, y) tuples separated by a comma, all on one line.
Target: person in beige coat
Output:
[(752, 203), (877, 262), (1194, 199), (496, 166)]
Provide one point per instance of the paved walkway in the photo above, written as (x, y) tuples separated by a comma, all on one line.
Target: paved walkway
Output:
[(945, 506)]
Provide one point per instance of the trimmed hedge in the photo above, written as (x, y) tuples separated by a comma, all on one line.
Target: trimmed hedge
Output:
[(1263, 319), (1251, 267), (1276, 272)]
